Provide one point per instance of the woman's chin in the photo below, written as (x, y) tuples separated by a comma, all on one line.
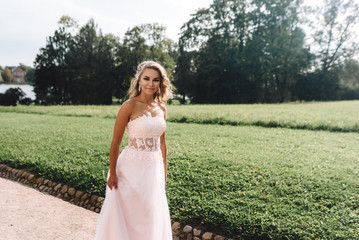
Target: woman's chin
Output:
[(147, 92)]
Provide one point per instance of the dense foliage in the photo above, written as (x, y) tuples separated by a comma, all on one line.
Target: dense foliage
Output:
[(89, 67), (242, 181), (6, 75), (76, 69), (256, 51), (13, 96), (234, 51)]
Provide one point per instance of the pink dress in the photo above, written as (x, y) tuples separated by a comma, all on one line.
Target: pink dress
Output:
[(138, 208)]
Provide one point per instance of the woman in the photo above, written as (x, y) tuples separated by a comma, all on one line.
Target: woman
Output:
[(135, 206)]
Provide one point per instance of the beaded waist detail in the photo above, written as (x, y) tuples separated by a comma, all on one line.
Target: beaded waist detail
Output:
[(144, 144)]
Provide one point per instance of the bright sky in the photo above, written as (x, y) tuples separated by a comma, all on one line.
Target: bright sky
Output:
[(25, 24)]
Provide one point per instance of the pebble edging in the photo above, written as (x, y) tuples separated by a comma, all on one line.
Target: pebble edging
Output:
[(59, 190), (92, 202)]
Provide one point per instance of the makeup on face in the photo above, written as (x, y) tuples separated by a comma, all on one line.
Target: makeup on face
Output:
[(150, 80)]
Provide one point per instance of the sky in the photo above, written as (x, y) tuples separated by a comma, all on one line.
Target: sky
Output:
[(25, 24)]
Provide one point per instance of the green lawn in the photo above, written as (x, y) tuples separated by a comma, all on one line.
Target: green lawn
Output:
[(332, 116), (245, 181)]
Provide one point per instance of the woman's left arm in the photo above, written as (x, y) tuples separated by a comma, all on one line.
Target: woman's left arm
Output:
[(164, 148)]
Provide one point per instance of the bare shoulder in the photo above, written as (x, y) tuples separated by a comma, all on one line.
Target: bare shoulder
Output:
[(163, 107), (129, 103), (127, 108)]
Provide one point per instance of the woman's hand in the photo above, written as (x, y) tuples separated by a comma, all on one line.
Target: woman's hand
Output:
[(112, 181)]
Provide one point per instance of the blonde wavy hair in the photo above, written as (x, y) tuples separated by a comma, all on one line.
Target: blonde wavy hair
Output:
[(165, 89)]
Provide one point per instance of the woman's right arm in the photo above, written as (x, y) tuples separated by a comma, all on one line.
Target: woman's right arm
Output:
[(120, 125)]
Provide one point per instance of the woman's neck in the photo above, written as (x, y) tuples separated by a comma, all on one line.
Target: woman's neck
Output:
[(146, 98)]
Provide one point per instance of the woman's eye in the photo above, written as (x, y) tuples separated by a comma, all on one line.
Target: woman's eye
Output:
[(156, 80)]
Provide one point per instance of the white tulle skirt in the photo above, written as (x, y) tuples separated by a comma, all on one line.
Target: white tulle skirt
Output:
[(138, 208)]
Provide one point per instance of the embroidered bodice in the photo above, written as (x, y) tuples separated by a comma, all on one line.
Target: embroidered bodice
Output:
[(144, 132)]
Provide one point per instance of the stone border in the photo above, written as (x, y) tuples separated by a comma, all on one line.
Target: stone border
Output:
[(59, 190), (190, 233), (92, 202)]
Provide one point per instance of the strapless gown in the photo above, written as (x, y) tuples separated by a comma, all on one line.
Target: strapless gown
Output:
[(138, 208)]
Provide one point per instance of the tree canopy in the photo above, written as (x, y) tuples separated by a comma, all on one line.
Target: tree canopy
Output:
[(234, 51), (88, 67), (255, 51)]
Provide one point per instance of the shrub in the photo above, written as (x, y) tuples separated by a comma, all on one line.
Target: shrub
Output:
[(12, 96)]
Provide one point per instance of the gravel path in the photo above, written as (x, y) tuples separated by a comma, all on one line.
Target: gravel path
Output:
[(26, 213)]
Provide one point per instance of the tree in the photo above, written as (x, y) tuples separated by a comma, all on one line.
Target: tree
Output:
[(92, 66), (237, 51), (280, 52), (349, 80), (333, 43), (87, 67), (68, 23), (143, 42), (185, 74), (7, 75), (76, 69), (208, 45), (11, 97), (82, 64), (335, 36), (30, 75), (51, 70)]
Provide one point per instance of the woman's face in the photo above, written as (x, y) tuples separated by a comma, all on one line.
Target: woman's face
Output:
[(149, 81)]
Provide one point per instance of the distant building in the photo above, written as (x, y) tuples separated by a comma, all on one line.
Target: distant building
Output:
[(19, 75)]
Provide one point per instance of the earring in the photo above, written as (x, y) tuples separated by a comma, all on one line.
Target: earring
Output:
[(139, 88), (159, 90)]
